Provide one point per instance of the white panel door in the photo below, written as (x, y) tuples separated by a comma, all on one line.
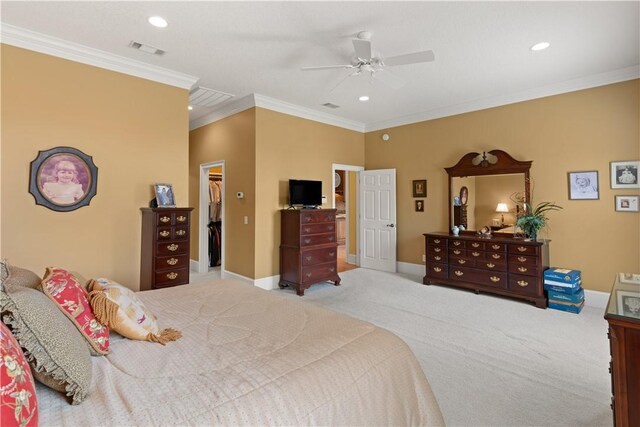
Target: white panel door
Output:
[(378, 219)]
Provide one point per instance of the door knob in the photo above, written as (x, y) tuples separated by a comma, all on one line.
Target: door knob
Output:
[(391, 225)]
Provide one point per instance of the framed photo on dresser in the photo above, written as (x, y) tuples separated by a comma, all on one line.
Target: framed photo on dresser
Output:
[(164, 195)]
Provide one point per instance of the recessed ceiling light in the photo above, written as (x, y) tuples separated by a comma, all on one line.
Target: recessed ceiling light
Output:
[(540, 46), (158, 21), (364, 98), (190, 108)]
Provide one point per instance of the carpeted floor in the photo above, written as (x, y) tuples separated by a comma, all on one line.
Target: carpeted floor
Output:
[(491, 361)]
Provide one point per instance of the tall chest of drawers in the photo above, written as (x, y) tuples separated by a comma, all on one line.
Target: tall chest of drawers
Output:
[(504, 266), (308, 248), (164, 259)]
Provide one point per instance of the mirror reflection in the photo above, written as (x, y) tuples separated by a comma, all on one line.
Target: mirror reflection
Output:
[(488, 201)]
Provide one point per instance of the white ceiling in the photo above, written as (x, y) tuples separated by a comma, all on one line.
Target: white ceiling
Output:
[(481, 48)]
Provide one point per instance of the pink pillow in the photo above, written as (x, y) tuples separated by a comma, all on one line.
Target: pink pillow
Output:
[(18, 404), (72, 298)]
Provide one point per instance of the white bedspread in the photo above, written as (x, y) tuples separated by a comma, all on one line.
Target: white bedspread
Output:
[(251, 357)]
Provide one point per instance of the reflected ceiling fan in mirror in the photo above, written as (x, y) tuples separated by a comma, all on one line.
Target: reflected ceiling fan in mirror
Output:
[(367, 62)]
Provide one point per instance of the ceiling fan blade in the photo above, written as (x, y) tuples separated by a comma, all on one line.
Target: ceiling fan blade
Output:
[(341, 82), (363, 48), (410, 58), (327, 67), (389, 79)]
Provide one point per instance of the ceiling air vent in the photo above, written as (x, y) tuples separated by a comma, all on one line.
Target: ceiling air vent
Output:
[(146, 48), (205, 97), (330, 105)]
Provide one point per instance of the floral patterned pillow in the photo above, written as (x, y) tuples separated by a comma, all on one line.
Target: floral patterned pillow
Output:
[(18, 404), (72, 298), (120, 309)]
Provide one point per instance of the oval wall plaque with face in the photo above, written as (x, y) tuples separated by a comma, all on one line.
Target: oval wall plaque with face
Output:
[(464, 195)]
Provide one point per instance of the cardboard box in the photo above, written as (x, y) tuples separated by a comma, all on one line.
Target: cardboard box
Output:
[(572, 286), (564, 275), (575, 298), (571, 308)]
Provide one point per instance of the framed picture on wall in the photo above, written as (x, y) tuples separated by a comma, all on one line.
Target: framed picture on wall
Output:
[(627, 203), (625, 174), (164, 195), (583, 185), (420, 188), (63, 179), (419, 205)]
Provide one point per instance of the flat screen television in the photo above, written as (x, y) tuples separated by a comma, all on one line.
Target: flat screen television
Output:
[(305, 193)]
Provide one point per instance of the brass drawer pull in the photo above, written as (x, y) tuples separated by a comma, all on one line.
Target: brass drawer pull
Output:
[(522, 269), (172, 275), (475, 253), (437, 269), (436, 241), (331, 238), (522, 259), (490, 265), (456, 243), (164, 233), (172, 261), (309, 274), (332, 253), (308, 218), (307, 240), (331, 228), (522, 248), (462, 261), (165, 219), (457, 252), (437, 258), (496, 247), (181, 232), (172, 247), (458, 273), (522, 283), (494, 279), (332, 269), (496, 256), (437, 249), (181, 218), (328, 218), (309, 258), (475, 245), (307, 229)]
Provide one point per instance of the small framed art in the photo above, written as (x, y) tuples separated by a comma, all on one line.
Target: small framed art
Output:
[(633, 278), (625, 174), (627, 203), (419, 205), (164, 195), (420, 188), (583, 185), (628, 303)]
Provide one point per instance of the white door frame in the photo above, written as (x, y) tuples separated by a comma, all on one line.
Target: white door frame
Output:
[(334, 168), (203, 218)]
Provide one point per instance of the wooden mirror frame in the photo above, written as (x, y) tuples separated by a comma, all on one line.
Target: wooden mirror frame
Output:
[(505, 164)]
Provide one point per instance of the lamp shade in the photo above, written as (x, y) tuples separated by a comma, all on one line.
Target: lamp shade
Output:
[(502, 207)]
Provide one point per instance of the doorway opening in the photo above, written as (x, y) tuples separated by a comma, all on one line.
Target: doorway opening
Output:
[(211, 219), (345, 201)]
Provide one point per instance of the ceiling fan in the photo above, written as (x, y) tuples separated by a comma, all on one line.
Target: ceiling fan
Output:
[(366, 61)]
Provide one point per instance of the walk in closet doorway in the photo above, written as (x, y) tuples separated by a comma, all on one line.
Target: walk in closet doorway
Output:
[(211, 218)]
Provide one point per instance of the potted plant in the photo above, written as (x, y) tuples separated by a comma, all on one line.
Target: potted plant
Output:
[(532, 219)]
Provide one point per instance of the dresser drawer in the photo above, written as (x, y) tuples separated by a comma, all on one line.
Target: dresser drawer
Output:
[(496, 247), (434, 257), (523, 249), (437, 270), (317, 228), (496, 256), (491, 265), (457, 252), (475, 254), (319, 273), (172, 277), (318, 256), (317, 216), (476, 245), (522, 259), (317, 239), (441, 250), (181, 232), (463, 262), (437, 241), (454, 243), (494, 279), (523, 284), (172, 218), (521, 268), (172, 248), (172, 262), (164, 233)]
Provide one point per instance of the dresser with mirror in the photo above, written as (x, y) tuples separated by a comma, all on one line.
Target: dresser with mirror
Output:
[(499, 261)]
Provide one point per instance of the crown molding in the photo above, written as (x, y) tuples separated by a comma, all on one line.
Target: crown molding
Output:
[(256, 100), (27, 39), (588, 82)]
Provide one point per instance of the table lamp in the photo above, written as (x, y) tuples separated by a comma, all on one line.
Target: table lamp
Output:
[(502, 208)]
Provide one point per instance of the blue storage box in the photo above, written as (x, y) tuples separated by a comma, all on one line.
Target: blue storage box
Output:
[(562, 306), (564, 275), (576, 298), (559, 286)]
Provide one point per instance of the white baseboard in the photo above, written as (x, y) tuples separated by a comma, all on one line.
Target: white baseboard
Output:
[(596, 299), (410, 268), (267, 283), (193, 265), (351, 259)]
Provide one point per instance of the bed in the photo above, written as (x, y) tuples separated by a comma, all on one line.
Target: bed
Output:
[(251, 357)]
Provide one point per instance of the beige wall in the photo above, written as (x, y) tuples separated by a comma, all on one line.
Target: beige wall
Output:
[(291, 147), (135, 129), (582, 130), (233, 140)]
